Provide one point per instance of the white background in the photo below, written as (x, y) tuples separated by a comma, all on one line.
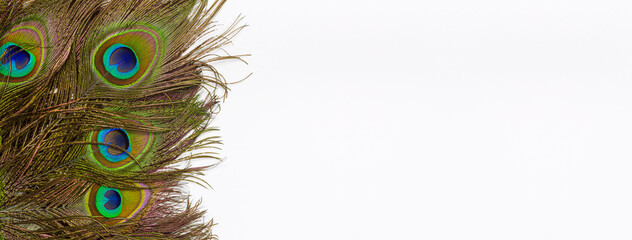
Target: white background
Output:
[(449, 119)]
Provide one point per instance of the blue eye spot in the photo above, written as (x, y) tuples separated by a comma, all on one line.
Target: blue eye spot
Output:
[(15, 61), (125, 58), (109, 202), (17, 55), (116, 137), (113, 199), (121, 61)]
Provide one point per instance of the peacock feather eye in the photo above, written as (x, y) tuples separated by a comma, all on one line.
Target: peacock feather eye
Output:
[(127, 57), (108, 202), (115, 148), (118, 144), (22, 51), (121, 61), (112, 205), (15, 61)]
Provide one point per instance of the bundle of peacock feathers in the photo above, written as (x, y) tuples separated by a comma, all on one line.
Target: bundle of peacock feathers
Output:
[(103, 103)]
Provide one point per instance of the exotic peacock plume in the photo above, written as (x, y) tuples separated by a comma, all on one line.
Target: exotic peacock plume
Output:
[(102, 105)]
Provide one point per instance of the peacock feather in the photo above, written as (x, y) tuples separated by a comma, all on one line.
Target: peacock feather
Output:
[(99, 102)]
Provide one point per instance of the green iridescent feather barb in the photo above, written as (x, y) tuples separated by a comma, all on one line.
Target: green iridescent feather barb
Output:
[(103, 104)]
